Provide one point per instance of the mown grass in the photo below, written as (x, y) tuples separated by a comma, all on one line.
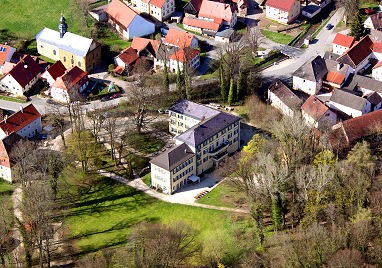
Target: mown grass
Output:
[(223, 195), (277, 37), (5, 188), (145, 142), (105, 212), (147, 179), (24, 19)]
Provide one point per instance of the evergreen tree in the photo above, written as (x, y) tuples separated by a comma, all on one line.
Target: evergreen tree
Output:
[(231, 93), (239, 85), (179, 82), (357, 29), (223, 89), (166, 80)]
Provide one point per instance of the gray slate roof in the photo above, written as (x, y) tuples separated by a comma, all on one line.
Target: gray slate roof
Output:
[(194, 110), (374, 98), (71, 42), (332, 65), (331, 56), (173, 157), (285, 95), (366, 83), (205, 130), (313, 70), (348, 99)]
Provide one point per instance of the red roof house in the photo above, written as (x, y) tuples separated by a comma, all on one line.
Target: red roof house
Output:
[(283, 11), (53, 72), (217, 10), (341, 43), (317, 114), (6, 53), (180, 39), (358, 55)]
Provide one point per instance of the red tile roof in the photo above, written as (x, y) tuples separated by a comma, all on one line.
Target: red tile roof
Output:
[(212, 9), (181, 55), (379, 64), (314, 108), (377, 47), (4, 51), (56, 70), (285, 5), (140, 43), (335, 78), (179, 38), (74, 77), (344, 133), (119, 69), (157, 3), (357, 53), (25, 70), (20, 119), (120, 12), (128, 56), (203, 24), (343, 40)]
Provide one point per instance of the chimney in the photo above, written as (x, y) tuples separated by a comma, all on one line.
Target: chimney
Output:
[(339, 66), (21, 109), (5, 118)]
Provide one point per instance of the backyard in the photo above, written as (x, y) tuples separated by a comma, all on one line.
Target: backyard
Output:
[(280, 38), (5, 188), (104, 212)]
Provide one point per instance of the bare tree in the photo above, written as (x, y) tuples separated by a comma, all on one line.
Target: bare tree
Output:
[(110, 126), (97, 118), (57, 119), (351, 8), (6, 222)]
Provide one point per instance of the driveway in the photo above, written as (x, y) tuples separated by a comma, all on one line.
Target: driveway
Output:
[(324, 39)]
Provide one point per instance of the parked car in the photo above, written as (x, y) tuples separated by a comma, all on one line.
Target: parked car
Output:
[(106, 98), (116, 95), (41, 136), (329, 26)]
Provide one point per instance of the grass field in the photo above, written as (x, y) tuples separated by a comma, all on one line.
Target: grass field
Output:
[(277, 37), (104, 214), (5, 188), (223, 195), (25, 18)]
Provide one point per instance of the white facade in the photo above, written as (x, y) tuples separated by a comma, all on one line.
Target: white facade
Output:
[(327, 120), (160, 178), (26, 132), (377, 73), (160, 13), (338, 49), (49, 79), (350, 111), (307, 86), (283, 16), (9, 84), (62, 95), (5, 173), (279, 104), (10, 51), (172, 65)]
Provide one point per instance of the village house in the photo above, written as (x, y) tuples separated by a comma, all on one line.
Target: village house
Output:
[(6, 163), (341, 43), (204, 145), (366, 85), (53, 72), (159, 9), (145, 47), (337, 75), (242, 7), (127, 22), (283, 11), (180, 39), (318, 115), (21, 77), (309, 77), (71, 49), (125, 61), (69, 86), (374, 22), (6, 53), (349, 103), (377, 71), (283, 99), (176, 58), (202, 26)]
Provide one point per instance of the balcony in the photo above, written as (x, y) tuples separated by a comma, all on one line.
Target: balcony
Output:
[(221, 149)]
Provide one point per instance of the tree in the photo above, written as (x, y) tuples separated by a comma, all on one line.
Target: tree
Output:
[(223, 87), (231, 93), (97, 118), (239, 85), (110, 126), (166, 80), (158, 245), (6, 222), (81, 146), (350, 6), (57, 119), (357, 28)]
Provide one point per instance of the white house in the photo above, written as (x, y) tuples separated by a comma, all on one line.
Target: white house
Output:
[(128, 23), (6, 53), (70, 85), (26, 122), (176, 58), (53, 72), (21, 77), (283, 99), (159, 9), (377, 71), (318, 115), (349, 103), (283, 11), (374, 22), (309, 77), (341, 43)]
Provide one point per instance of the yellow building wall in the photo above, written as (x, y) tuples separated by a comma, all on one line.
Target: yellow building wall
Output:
[(183, 179)]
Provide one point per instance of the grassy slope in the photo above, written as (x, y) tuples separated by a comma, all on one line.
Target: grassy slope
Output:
[(104, 216), (277, 37), (5, 188), (25, 18)]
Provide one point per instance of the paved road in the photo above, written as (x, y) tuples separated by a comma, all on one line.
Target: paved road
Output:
[(323, 43)]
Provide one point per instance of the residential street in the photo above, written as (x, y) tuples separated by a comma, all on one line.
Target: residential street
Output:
[(285, 69)]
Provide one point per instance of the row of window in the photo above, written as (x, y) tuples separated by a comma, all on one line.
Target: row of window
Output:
[(182, 166), (181, 175)]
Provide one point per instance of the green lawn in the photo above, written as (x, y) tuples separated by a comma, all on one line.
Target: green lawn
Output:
[(147, 179), (277, 37), (5, 187), (23, 19), (104, 214), (223, 195), (368, 4), (145, 142)]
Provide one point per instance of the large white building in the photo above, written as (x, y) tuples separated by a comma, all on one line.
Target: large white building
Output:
[(210, 137)]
